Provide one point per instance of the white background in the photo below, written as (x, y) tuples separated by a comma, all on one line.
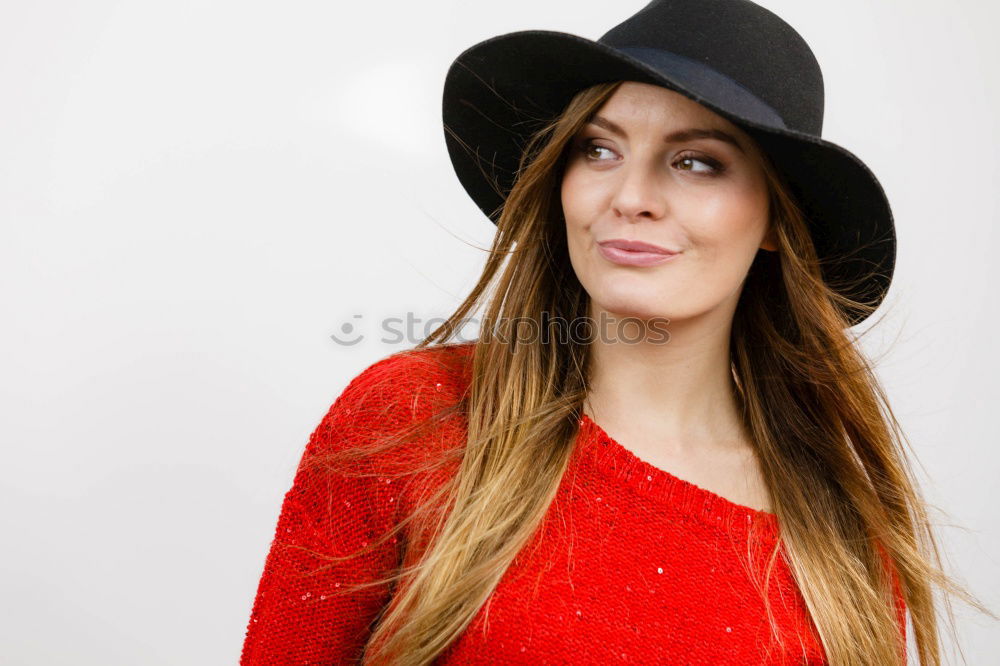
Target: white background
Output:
[(195, 195)]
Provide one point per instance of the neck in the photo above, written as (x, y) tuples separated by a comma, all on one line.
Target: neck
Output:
[(679, 389)]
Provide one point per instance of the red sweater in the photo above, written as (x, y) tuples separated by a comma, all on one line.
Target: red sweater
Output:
[(632, 565)]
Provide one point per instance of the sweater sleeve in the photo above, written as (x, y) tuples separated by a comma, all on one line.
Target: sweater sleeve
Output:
[(299, 615)]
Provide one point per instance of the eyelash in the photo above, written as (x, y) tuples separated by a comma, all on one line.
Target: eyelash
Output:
[(715, 165)]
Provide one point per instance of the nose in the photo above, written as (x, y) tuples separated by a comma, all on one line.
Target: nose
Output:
[(640, 193)]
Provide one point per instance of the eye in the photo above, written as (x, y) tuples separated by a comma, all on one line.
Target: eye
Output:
[(714, 166), (587, 147)]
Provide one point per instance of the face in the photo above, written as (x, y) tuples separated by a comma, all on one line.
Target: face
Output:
[(632, 175)]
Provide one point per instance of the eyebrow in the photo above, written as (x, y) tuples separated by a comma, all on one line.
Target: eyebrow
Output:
[(674, 137)]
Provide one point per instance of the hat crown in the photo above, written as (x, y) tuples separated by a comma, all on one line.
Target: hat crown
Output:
[(741, 40)]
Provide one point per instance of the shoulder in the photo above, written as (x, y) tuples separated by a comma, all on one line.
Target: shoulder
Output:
[(397, 390), (440, 370)]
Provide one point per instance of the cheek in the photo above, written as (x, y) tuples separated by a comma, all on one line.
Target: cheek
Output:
[(579, 202), (578, 210), (577, 197), (733, 220), (753, 203)]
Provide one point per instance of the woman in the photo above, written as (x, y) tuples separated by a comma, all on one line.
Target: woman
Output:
[(670, 454)]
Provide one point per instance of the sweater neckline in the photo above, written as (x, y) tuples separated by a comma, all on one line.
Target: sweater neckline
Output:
[(615, 461)]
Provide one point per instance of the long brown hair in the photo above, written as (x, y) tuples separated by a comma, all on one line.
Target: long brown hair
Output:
[(829, 447)]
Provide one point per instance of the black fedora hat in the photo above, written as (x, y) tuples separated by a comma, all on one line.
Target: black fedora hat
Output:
[(734, 57)]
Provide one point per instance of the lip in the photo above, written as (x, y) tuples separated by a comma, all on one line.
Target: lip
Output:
[(634, 253), (635, 246)]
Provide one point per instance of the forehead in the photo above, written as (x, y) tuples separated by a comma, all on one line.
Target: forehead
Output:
[(645, 108), (637, 103)]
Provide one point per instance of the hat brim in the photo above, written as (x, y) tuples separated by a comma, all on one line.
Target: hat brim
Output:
[(499, 91)]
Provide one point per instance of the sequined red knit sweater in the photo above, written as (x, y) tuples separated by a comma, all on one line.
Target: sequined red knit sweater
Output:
[(631, 565)]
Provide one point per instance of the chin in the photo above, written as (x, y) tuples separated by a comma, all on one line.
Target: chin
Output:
[(635, 307)]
